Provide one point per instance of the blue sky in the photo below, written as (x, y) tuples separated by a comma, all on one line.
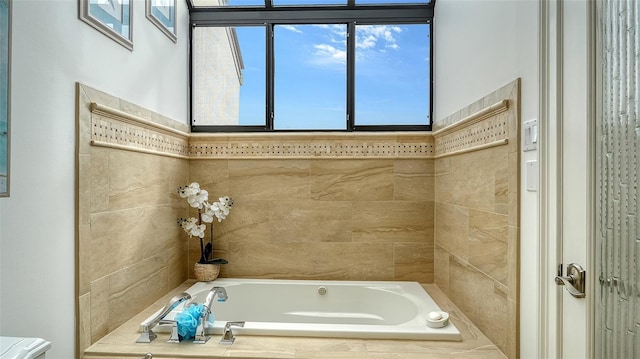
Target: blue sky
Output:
[(392, 69)]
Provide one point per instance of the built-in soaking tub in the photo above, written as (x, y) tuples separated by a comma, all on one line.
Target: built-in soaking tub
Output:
[(321, 308)]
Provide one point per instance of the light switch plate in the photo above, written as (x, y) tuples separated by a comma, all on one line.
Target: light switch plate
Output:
[(532, 176), (530, 135)]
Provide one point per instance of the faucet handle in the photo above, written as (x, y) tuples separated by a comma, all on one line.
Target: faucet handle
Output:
[(147, 337), (173, 338), (227, 335)]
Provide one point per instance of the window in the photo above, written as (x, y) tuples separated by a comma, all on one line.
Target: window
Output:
[(300, 65)]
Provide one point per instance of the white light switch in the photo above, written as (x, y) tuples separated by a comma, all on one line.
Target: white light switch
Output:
[(532, 176), (530, 135)]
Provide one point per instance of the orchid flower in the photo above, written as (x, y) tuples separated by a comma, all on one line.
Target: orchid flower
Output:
[(194, 195), (221, 208), (208, 213), (197, 200), (192, 227), (195, 227), (189, 190)]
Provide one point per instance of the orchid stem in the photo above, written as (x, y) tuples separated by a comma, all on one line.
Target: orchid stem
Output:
[(202, 258), (211, 240)]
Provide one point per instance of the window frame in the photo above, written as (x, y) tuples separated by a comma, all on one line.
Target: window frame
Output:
[(349, 14)]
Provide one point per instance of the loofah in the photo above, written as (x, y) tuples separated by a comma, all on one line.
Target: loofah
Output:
[(188, 321)]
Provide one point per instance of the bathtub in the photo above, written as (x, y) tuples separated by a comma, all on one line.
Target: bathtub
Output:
[(321, 308)]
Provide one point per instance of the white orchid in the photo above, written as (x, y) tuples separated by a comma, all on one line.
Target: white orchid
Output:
[(195, 227), (199, 199), (208, 213), (192, 227), (218, 211), (195, 196), (189, 190)]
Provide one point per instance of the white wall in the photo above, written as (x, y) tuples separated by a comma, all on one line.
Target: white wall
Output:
[(52, 49), (481, 45)]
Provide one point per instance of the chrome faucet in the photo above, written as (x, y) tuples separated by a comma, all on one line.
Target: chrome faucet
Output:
[(148, 335), (201, 336)]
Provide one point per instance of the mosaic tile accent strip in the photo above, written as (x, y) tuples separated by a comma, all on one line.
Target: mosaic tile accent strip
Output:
[(329, 147), (117, 129), (486, 128)]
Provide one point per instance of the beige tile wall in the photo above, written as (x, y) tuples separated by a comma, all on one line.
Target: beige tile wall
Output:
[(130, 252), (349, 219), (477, 225)]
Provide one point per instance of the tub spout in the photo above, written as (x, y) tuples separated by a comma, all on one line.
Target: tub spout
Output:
[(201, 336), (148, 335), (222, 296)]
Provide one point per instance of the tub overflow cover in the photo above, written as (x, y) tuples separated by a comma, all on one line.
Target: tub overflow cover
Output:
[(322, 290)]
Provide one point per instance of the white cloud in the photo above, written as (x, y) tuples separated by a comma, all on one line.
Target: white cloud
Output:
[(328, 54), (292, 28), (378, 38), (370, 35), (367, 42), (332, 49)]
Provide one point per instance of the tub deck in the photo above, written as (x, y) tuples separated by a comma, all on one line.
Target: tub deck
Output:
[(120, 343)]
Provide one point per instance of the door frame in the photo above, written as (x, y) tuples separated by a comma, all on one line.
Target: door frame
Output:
[(551, 100)]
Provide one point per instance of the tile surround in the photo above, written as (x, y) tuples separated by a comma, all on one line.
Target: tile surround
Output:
[(383, 206), (476, 216), (129, 252)]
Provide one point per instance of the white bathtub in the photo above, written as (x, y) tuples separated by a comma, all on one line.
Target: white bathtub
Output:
[(348, 309)]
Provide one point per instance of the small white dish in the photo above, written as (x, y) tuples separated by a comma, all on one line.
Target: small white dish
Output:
[(437, 319)]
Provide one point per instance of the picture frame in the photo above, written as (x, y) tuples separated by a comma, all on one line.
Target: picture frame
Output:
[(113, 18), (162, 13), (5, 95)]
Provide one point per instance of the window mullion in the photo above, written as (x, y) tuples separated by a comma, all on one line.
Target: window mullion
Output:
[(312, 15), (351, 65), (270, 64)]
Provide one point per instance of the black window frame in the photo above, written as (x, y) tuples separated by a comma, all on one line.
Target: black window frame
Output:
[(349, 14)]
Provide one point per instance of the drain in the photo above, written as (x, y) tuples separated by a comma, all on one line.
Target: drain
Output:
[(322, 290)]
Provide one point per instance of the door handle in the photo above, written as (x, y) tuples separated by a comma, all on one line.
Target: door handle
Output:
[(574, 281)]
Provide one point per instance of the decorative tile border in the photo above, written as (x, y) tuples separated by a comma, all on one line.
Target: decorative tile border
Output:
[(327, 147), (483, 129), (117, 129)]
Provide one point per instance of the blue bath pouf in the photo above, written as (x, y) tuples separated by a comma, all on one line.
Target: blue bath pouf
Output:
[(188, 321)]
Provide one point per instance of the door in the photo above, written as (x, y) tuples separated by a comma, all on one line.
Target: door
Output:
[(591, 161), (576, 167)]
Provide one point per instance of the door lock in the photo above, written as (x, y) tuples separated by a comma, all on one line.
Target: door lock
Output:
[(574, 281)]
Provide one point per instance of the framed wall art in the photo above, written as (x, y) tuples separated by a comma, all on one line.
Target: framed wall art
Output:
[(162, 13), (5, 92), (111, 17)]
